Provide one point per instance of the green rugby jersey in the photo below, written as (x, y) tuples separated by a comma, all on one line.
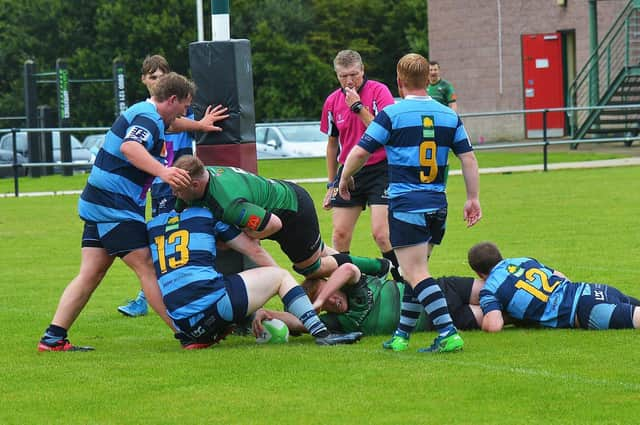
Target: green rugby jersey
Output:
[(442, 91), (238, 197), (374, 308)]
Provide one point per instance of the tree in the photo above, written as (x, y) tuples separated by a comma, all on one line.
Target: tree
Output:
[(293, 46)]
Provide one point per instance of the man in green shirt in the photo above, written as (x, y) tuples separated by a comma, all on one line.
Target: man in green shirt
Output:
[(357, 302), (268, 209), (439, 89)]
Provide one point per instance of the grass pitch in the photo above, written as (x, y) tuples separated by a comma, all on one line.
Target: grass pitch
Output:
[(582, 222)]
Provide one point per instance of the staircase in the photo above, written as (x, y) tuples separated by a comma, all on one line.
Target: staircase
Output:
[(610, 79)]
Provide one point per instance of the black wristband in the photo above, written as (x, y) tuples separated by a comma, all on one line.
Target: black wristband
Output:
[(356, 107)]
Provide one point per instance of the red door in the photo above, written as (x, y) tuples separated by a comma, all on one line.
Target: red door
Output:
[(543, 82)]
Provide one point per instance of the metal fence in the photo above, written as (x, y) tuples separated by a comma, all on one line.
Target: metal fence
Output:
[(543, 143)]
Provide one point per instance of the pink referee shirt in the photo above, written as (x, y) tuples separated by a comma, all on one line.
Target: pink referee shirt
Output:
[(338, 120)]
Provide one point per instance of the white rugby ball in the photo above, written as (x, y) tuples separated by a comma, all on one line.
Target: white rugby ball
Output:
[(275, 332)]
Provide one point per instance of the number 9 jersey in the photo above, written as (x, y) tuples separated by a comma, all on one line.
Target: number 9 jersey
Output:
[(417, 134)]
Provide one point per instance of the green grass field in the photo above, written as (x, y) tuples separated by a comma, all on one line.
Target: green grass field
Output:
[(582, 222)]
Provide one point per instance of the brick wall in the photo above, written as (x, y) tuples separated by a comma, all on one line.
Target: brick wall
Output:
[(463, 38)]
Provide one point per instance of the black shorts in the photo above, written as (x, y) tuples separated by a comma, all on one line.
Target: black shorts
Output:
[(457, 293), (370, 187), (116, 238), (299, 237)]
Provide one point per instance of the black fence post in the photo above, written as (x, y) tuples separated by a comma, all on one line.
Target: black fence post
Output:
[(46, 120), (15, 162)]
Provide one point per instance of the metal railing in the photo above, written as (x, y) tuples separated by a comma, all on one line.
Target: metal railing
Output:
[(544, 143)]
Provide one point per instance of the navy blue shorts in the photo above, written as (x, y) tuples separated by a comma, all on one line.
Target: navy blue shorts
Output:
[(214, 320), (370, 187), (605, 307), (116, 238), (407, 229)]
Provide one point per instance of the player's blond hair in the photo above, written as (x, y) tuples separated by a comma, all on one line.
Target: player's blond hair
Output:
[(413, 71)]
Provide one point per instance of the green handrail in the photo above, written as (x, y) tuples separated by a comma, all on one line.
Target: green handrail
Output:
[(612, 57)]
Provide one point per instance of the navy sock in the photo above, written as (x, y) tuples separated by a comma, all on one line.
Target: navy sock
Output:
[(53, 334), (410, 310), (432, 299)]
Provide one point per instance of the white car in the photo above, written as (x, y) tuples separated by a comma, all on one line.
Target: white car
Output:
[(302, 140), (94, 142), (79, 155)]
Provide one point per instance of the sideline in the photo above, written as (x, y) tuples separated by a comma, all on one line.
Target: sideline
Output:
[(619, 162)]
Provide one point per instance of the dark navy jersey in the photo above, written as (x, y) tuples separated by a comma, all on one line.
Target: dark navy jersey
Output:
[(417, 134), (183, 247), (528, 290)]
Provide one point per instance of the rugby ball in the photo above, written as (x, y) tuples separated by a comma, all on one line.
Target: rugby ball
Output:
[(275, 332)]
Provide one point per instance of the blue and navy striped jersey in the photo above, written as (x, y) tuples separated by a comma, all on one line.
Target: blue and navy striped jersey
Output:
[(177, 144), (116, 190), (528, 290), (417, 134), (183, 248)]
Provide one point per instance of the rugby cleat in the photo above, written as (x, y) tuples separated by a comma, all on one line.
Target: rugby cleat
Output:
[(188, 344), (449, 343), (62, 345), (134, 308), (396, 343), (335, 339)]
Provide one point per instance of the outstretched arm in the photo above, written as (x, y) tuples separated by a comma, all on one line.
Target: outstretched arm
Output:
[(205, 124)]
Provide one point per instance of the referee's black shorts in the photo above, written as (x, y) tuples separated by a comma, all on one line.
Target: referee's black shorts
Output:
[(370, 187)]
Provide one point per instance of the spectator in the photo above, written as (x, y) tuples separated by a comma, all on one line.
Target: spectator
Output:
[(439, 89)]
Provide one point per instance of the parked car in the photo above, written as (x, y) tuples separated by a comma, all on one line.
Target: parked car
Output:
[(302, 139), (93, 142), (6, 158), (79, 154)]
